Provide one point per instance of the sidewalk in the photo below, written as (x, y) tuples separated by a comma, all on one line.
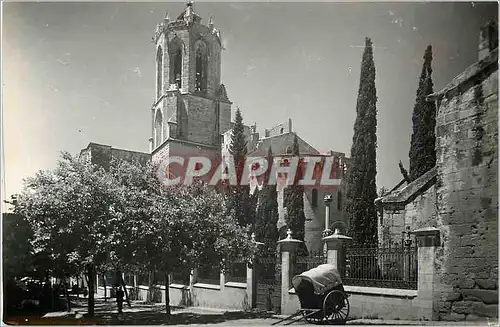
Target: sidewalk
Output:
[(382, 322), (148, 314)]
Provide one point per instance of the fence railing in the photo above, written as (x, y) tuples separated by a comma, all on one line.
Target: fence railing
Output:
[(304, 263), (209, 274), (267, 270), (237, 272), (179, 277), (382, 267)]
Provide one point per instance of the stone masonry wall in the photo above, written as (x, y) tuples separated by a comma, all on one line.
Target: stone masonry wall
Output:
[(467, 193), (419, 213), (422, 212), (391, 224), (201, 119)]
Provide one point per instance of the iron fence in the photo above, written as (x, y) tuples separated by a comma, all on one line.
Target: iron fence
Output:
[(382, 267), (209, 274), (180, 277), (237, 272), (304, 263), (267, 270)]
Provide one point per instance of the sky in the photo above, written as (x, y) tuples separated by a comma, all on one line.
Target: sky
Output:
[(82, 72)]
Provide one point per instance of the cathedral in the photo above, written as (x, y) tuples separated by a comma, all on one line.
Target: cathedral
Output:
[(191, 116)]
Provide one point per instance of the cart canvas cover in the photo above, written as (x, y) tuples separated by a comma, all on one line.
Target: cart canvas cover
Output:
[(323, 278)]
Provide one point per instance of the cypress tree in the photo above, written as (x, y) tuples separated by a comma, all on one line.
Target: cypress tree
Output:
[(294, 200), (423, 139), (361, 189), (239, 195), (266, 229)]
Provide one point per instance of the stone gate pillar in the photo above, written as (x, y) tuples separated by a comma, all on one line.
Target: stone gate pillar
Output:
[(288, 249), (427, 241), (335, 250)]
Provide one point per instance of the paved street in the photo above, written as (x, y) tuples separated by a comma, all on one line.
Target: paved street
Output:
[(153, 314)]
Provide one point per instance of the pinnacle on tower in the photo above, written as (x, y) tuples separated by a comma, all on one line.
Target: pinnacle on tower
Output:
[(167, 17), (211, 22)]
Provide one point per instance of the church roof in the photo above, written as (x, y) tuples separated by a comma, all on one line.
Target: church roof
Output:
[(279, 144), (412, 190)]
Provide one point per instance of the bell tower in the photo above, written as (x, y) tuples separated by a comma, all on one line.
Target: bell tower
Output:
[(191, 109)]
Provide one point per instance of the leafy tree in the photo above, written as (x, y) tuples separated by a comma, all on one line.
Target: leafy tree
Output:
[(69, 210), (266, 229), (124, 219), (423, 139), (195, 228), (294, 200), (174, 228), (361, 186), (239, 194), (17, 248)]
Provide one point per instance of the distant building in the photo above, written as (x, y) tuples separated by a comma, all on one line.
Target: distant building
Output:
[(191, 115)]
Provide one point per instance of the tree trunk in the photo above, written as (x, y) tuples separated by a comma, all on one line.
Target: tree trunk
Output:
[(105, 288), (125, 290), (91, 281), (167, 294)]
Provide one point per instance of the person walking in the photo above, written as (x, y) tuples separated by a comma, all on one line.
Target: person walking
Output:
[(119, 299)]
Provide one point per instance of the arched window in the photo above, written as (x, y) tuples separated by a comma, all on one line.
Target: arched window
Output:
[(175, 52), (314, 198), (159, 72), (339, 201), (281, 130), (201, 66), (158, 128)]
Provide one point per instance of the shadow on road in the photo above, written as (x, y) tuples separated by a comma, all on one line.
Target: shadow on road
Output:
[(138, 314)]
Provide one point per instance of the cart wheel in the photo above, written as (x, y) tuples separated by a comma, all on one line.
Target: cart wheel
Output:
[(336, 307)]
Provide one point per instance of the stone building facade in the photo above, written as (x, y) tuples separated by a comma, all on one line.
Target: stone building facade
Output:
[(102, 155), (467, 188), (458, 197), (191, 109)]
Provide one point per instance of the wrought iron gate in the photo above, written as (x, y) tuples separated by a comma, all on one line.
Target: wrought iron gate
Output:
[(268, 284)]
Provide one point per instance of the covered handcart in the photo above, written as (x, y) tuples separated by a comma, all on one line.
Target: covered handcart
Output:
[(321, 295)]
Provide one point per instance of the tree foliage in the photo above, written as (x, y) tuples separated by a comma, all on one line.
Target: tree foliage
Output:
[(239, 195), (361, 189), (294, 200), (423, 139), (124, 219), (266, 229), (17, 250)]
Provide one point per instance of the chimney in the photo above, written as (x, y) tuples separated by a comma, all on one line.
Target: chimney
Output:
[(290, 125), (488, 39)]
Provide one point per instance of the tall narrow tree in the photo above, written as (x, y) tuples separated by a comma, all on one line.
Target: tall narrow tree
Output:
[(239, 195), (361, 189), (423, 139), (294, 200), (266, 229)]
